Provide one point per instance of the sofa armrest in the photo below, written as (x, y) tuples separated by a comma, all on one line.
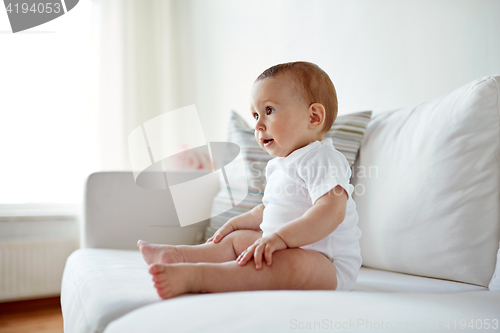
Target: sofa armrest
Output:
[(117, 212)]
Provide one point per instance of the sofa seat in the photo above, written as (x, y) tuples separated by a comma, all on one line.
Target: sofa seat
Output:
[(103, 286), (292, 311)]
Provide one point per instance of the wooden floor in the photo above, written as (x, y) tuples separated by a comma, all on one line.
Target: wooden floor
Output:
[(41, 316)]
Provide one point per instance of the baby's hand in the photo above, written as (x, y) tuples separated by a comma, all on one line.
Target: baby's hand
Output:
[(221, 233), (264, 246)]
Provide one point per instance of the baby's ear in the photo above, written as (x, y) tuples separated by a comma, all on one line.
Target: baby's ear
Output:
[(316, 115)]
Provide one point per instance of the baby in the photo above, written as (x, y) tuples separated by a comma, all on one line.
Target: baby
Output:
[(304, 235)]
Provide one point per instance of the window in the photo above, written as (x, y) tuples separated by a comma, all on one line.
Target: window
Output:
[(44, 99)]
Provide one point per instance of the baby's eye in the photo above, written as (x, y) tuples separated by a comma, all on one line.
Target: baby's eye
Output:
[(269, 110), (255, 116)]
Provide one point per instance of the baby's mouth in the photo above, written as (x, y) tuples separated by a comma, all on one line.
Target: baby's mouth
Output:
[(267, 143)]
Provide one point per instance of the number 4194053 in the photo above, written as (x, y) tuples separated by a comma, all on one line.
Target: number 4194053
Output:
[(24, 8), (472, 324)]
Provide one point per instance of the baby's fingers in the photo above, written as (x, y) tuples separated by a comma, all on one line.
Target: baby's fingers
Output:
[(221, 233), (242, 259), (268, 254), (257, 256), (245, 256), (218, 236)]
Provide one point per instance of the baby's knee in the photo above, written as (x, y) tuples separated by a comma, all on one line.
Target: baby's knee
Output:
[(242, 239), (310, 269)]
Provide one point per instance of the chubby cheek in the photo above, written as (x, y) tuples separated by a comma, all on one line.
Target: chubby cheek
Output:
[(257, 139)]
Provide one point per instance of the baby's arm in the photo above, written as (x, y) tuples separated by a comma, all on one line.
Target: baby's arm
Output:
[(316, 223), (250, 220)]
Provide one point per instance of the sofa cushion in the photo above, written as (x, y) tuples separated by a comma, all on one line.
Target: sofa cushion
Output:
[(346, 133), (101, 285), (427, 187), (316, 311), (375, 280)]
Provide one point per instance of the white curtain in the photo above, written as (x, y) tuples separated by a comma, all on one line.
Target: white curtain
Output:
[(133, 76)]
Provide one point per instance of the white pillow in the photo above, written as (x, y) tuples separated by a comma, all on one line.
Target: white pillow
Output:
[(433, 208)]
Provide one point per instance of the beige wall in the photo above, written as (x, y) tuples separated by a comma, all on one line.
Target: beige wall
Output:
[(380, 54), (156, 56)]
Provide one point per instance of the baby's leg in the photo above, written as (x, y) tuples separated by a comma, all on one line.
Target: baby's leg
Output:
[(292, 269), (229, 248)]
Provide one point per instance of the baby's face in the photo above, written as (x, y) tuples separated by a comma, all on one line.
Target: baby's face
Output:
[(281, 116)]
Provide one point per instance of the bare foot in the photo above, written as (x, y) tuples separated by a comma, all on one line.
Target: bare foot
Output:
[(157, 253), (172, 280)]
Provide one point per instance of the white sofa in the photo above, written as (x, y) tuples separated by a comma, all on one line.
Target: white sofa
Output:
[(430, 218)]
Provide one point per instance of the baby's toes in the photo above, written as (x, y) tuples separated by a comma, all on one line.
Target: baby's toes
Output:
[(161, 284), (156, 269), (141, 244), (157, 278), (164, 289), (164, 293)]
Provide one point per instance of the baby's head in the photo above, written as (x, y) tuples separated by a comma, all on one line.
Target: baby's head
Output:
[(293, 104)]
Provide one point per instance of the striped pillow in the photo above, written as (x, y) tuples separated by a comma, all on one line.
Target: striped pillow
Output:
[(346, 133)]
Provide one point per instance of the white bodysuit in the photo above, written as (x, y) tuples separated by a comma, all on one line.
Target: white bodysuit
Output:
[(295, 182)]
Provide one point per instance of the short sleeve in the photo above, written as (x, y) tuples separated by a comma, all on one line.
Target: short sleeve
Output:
[(323, 169)]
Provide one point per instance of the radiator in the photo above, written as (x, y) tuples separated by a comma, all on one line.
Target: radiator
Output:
[(32, 268)]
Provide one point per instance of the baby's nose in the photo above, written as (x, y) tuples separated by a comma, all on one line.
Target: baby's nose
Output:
[(259, 126)]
